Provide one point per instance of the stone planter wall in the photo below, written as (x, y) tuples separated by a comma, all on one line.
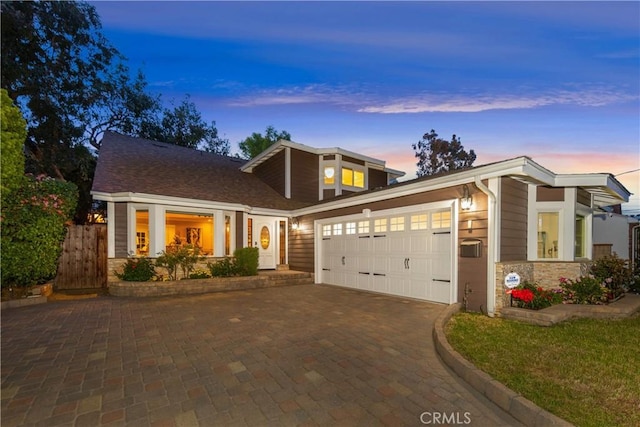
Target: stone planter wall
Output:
[(545, 274), (115, 264), (201, 286)]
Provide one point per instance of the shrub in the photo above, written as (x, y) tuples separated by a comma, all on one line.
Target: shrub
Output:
[(246, 261), (616, 274), (199, 274), (585, 290), (185, 257), (33, 229), (137, 270), (243, 263), (529, 295), (222, 268)]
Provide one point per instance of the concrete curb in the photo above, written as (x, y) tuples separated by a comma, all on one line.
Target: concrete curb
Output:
[(523, 410)]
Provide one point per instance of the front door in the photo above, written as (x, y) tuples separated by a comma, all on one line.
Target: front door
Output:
[(265, 239)]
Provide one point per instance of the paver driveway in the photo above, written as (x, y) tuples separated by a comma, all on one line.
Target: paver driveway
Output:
[(299, 355)]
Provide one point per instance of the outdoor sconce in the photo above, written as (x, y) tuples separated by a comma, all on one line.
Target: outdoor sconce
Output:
[(295, 224), (466, 201)]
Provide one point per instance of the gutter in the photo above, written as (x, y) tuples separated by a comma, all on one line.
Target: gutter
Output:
[(492, 244)]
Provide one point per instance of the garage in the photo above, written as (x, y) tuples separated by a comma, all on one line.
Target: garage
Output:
[(398, 252)]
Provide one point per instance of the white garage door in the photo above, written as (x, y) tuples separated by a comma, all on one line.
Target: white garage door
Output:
[(407, 254)]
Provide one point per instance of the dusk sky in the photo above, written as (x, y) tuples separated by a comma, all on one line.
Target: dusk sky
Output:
[(556, 81)]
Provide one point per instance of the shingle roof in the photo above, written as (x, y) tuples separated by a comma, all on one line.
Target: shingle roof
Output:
[(136, 165)]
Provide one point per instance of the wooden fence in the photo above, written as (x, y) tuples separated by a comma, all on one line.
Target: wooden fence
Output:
[(83, 263)]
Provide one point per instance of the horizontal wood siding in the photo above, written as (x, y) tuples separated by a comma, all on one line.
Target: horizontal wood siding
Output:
[(239, 230), (352, 160), (120, 223), (472, 272), (549, 194), (305, 174), (301, 245), (377, 178), (271, 171), (584, 197), (513, 226)]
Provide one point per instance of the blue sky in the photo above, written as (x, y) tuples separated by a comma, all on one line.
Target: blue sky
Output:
[(557, 81)]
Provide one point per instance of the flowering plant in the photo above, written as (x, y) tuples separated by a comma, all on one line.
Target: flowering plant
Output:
[(584, 290), (531, 296), (137, 270)]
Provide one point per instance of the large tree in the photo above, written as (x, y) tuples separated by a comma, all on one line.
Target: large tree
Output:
[(14, 132), (437, 155), (183, 125), (257, 143)]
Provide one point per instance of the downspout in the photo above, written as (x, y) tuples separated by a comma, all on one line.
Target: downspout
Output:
[(492, 245)]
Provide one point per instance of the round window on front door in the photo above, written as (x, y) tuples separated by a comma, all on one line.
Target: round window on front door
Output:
[(265, 239)]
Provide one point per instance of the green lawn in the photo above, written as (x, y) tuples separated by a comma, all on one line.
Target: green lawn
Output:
[(585, 371)]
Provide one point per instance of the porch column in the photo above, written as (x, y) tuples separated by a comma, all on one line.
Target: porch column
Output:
[(156, 230), (218, 233)]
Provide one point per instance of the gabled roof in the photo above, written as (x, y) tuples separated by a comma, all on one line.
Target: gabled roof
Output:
[(606, 190), (135, 165), (282, 144)]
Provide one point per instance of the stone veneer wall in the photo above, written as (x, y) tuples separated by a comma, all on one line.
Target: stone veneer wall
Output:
[(545, 274), (115, 264)]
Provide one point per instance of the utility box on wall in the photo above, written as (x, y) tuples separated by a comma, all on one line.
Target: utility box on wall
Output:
[(471, 248)]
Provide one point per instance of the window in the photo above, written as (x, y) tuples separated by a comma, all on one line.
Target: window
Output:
[(581, 236), (227, 235), (380, 225), (182, 228), (142, 232), (329, 175), (351, 228), (326, 230), (352, 178), (548, 233), (337, 229), (250, 232), (441, 219), (396, 224), (363, 227), (419, 222)]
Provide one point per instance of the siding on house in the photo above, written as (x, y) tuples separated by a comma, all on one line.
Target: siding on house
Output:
[(549, 194), (377, 178), (584, 197), (305, 173), (120, 223), (352, 160), (513, 222), (271, 171), (472, 272), (239, 229)]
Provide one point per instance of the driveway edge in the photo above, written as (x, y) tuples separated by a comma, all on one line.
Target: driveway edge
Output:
[(523, 410)]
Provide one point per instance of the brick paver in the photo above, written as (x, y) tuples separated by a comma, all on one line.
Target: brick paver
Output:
[(301, 355)]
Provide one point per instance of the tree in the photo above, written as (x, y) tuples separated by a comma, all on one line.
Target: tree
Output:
[(256, 143), (183, 125), (14, 132), (437, 155), (69, 83)]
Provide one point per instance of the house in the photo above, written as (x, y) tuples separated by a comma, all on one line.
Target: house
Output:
[(446, 238)]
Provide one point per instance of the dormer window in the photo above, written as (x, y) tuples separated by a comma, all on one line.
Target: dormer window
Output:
[(353, 178)]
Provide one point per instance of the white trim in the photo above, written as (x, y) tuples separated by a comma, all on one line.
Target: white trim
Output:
[(111, 230), (568, 232), (287, 173)]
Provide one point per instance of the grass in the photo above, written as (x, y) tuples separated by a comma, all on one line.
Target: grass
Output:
[(585, 371)]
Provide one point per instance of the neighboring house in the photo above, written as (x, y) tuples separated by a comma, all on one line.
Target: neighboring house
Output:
[(446, 238), (613, 234)]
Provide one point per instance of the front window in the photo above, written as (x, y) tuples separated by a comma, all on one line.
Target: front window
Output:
[(227, 235), (142, 233), (193, 229), (548, 234)]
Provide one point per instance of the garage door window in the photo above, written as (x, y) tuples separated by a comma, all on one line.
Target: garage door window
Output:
[(326, 230), (419, 222), (441, 219), (363, 227), (380, 225), (337, 229), (351, 228), (396, 224)]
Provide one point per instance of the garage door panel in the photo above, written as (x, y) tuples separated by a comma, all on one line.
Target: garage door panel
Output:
[(410, 260)]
